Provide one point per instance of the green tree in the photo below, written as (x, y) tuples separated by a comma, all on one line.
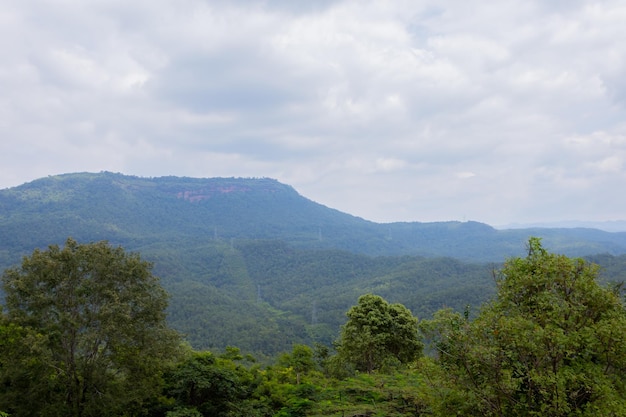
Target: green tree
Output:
[(552, 343), (204, 384), (89, 336), (300, 360), (377, 334)]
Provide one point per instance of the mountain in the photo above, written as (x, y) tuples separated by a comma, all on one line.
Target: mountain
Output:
[(135, 211), (250, 262)]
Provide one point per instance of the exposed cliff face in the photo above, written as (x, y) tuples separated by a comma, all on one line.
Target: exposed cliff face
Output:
[(207, 193)]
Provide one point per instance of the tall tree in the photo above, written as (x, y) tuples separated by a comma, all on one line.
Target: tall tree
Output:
[(300, 360), (552, 343), (90, 336), (378, 333)]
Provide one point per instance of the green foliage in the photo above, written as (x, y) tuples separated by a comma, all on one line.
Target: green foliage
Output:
[(299, 296), (87, 322), (252, 263), (553, 343), (86, 326), (300, 360), (378, 335), (393, 394), (184, 412), (203, 385)]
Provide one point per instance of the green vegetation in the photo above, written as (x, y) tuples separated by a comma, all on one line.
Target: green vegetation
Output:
[(252, 263), (378, 335), (83, 334), (552, 343), (283, 296)]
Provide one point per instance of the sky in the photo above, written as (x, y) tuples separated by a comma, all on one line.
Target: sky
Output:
[(499, 112)]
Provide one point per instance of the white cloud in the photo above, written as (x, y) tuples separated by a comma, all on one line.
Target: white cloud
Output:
[(503, 112), (465, 175)]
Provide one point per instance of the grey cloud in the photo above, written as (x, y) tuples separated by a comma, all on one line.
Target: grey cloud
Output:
[(224, 81)]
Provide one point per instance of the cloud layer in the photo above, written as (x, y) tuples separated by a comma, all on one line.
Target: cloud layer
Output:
[(501, 112)]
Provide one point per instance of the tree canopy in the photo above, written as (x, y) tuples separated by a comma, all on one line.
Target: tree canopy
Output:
[(87, 322), (378, 333), (552, 343)]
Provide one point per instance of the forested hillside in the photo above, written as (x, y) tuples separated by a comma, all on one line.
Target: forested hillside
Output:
[(137, 211), (83, 333), (268, 295), (251, 263)]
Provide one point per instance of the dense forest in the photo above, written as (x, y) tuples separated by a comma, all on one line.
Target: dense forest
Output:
[(84, 333), (251, 263), (301, 296)]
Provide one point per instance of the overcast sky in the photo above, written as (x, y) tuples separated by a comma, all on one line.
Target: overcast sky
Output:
[(500, 112)]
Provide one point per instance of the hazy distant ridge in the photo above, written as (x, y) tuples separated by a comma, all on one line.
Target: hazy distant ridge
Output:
[(607, 226)]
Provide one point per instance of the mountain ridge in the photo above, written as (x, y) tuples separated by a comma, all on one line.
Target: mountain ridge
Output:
[(133, 210)]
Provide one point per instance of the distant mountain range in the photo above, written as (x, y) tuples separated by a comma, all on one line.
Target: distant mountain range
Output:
[(607, 226), (250, 262)]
